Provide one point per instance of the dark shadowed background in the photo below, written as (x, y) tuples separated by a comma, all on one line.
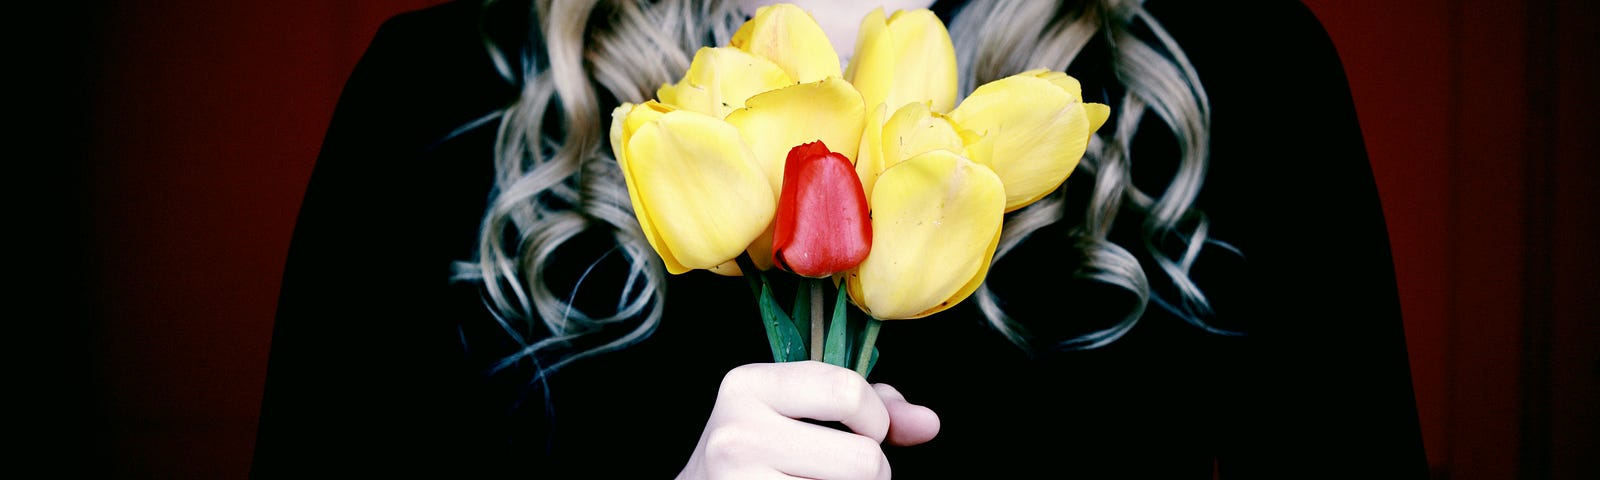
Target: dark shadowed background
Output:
[(182, 133)]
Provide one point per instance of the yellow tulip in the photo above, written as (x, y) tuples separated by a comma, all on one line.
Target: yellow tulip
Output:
[(907, 58), (697, 190), (1031, 128), (911, 131), (720, 79), (935, 224), (790, 38)]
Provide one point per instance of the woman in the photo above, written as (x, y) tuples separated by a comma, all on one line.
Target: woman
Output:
[(469, 295)]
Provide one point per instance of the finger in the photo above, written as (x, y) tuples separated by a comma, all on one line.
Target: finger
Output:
[(909, 424), (814, 390), (811, 451)]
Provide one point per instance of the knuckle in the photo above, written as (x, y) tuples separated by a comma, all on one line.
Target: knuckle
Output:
[(727, 445), (865, 459), (847, 388), (738, 378)]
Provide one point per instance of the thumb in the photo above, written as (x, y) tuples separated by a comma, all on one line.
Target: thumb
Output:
[(909, 424)]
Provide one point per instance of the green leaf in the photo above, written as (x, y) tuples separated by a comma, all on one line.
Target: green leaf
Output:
[(782, 336), (802, 313), (837, 351)]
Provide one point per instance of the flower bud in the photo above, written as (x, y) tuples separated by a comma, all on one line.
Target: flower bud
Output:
[(822, 225)]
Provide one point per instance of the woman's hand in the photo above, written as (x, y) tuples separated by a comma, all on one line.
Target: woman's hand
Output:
[(756, 428)]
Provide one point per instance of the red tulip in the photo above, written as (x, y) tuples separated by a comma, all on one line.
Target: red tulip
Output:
[(822, 225)]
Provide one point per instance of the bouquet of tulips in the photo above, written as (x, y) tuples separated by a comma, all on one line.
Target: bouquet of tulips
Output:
[(873, 182)]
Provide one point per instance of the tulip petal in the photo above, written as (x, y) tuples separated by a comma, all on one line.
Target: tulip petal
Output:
[(625, 120), (936, 220), (1034, 134), (729, 268), (869, 159), (926, 67), (1098, 113), (829, 110), (790, 38), (914, 130), (908, 58), (720, 79), (871, 67), (1061, 80), (640, 115), (706, 196), (760, 250)]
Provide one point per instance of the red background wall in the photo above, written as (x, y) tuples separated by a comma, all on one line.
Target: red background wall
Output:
[(190, 128)]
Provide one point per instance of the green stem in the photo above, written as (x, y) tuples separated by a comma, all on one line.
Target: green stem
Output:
[(869, 336), (748, 269), (816, 319)]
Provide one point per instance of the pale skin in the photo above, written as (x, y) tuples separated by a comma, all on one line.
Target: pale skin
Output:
[(758, 427)]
